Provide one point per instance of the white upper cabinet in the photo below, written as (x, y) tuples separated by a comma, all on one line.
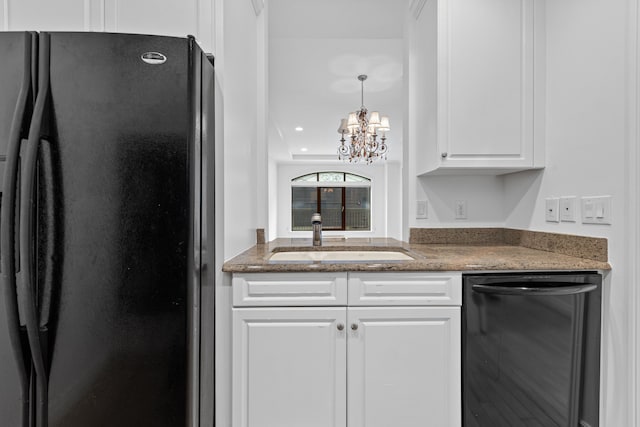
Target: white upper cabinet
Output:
[(476, 86), (43, 15), (160, 17)]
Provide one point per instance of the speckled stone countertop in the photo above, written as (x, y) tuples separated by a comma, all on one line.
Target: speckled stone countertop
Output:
[(475, 256)]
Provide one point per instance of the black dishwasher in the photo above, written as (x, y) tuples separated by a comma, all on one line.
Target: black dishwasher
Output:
[(531, 349)]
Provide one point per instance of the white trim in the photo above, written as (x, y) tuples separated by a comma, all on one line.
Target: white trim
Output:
[(204, 24), (407, 169), (5, 20), (633, 252), (330, 184), (443, 65), (632, 207), (87, 15), (115, 15), (212, 26), (197, 13), (103, 15), (258, 5), (218, 45), (415, 7), (262, 120), (110, 15), (526, 78), (539, 84), (314, 157), (316, 183)]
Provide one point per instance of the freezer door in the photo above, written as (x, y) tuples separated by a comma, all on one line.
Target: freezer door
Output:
[(15, 94), (113, 227), (12, 47)]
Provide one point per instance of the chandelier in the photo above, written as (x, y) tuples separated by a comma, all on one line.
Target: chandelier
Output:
[(362, 143)]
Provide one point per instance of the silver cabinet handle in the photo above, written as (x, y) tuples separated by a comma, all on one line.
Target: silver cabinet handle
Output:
[(443, 155), (340, 326), (354, 326)]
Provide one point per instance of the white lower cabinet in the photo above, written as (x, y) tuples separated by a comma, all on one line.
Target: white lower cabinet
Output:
[(289, 367), (403, 367), (347, 366)]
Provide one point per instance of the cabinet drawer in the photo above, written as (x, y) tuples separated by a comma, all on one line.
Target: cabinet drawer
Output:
[(372, 289), (289, 289)]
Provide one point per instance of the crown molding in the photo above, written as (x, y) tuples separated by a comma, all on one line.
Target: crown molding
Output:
[(316, 157)]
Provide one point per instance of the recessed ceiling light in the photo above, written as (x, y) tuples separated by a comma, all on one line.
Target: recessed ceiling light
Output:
[(299, 129), (304, 149)]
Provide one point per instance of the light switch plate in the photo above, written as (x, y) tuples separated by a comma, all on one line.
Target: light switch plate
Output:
[(552, 209), (568, 208), (421, 209), (461, 209), (596, 210)]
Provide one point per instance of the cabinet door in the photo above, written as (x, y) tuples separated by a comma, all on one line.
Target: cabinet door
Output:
[(42, 15), (289, 367), (404, 367), (485, 78), (490, 73), (161, 17)]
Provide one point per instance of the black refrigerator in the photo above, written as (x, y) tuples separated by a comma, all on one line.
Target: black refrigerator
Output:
[(107, 146)]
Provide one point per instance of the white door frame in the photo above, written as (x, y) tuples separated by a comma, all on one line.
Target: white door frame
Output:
[(633, 206)]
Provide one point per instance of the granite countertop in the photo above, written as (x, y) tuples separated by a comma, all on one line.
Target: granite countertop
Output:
[(467, 255)]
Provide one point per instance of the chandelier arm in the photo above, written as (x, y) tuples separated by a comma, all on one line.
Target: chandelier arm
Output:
[(364, 144)]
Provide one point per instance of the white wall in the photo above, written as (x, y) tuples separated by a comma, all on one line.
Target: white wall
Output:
[(393, 203), (419, 53), (385, 197), (272, 229), (263, 173), (587, 148), (484, 197), (237, 68), (240, 125)]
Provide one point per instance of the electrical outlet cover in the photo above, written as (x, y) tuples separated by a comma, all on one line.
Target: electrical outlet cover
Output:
[(461, 209), (421, 209), (552, 209), (568, 209)]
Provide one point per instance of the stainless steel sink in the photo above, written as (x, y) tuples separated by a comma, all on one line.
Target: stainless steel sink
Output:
[(340, 256)]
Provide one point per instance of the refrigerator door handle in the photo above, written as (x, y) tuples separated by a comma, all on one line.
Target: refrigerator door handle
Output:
[(46, 246), (27, 238), (519, 289), (34, 65), (7, 225)]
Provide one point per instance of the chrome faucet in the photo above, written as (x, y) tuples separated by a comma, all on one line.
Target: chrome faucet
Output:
[(316, 222)]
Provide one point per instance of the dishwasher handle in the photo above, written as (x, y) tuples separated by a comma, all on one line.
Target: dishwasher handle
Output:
[(551, 289)]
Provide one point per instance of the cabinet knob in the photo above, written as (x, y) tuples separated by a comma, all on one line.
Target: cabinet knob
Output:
[(340, 326), (443, 155), (354, 326)]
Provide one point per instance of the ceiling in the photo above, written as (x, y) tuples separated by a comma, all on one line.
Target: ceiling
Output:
[(316, 51)]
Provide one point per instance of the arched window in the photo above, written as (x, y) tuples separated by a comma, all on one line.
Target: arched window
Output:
[(343, 199)]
